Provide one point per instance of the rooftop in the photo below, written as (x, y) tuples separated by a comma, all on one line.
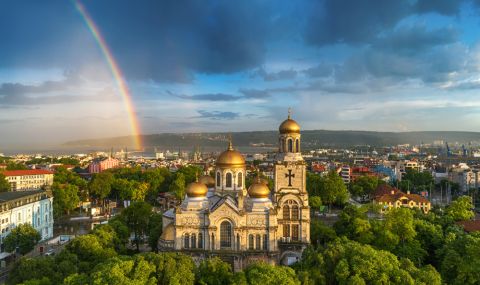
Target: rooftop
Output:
[(9, 196), (26, 172)]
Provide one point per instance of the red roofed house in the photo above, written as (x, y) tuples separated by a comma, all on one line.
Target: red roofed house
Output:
[(396, 199), (27, 180)]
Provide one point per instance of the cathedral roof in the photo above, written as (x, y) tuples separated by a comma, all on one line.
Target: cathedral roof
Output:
[(230, 158), (289, 126), (258, 189), (196, 189)]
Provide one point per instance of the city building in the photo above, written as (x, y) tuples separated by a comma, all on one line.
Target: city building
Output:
[(31, 179), (32, 207), (221, 217), (389, 197), (101, 164)]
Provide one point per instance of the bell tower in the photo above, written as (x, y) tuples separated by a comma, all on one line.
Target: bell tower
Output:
[(290, 193)]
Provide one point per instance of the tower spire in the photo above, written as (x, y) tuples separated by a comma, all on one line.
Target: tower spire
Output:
[(289, 113), (230, 146)]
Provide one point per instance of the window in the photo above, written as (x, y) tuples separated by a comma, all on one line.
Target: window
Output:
[(240, 180), (294, 212), (250, 242), (200, 240), (286, 212), (218, 179), (258, 242), (294, 232), (19, 217), (225, 234), (194, 241), (238, 242), (286, 230), (212, 241), (290, 145), (228, 180), (297, 145), (265, 242), (186, 241)]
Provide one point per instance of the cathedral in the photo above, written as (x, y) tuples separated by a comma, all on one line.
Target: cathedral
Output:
[(221, 217)]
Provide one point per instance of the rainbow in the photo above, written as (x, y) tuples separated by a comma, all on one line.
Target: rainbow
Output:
[(116, 72)]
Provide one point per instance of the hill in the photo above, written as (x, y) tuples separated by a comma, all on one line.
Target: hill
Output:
[(310, 139)]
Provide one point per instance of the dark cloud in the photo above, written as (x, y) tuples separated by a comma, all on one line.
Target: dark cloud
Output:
[(444, 7), (11, 89), (24, 100), (415, 39), (352, 22), (254, 93), (274, 76), (217, 115), (321, 70), (207, 97)]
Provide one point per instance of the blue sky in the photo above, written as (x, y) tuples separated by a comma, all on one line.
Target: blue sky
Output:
[(195, 66)]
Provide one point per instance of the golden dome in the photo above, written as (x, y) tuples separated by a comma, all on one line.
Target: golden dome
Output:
[(258, 189), (196, 189), (289, 126), (230, 158), (207, 180)]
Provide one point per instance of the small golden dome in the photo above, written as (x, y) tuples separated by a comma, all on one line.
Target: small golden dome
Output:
[(258, 189), (196, 189), (230, 158), (207, 180), (289, 126)]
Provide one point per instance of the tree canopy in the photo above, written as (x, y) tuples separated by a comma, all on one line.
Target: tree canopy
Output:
[(24, 237)]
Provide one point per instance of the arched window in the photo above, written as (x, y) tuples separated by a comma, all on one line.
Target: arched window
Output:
[(238, 242), (219, 179), (286, 212), (186, 241), (200, 240), (297, 146), (250, 242), (193, 241), (239, 179), (228, 180), (282, 146), (294, 232), (286, 230), (294, 212), (290, 145), (225, 234), (265, 242), (212, 242), (258, 242)]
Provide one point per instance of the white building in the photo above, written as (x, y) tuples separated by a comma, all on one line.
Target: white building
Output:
[(32, 207), (28, 180)]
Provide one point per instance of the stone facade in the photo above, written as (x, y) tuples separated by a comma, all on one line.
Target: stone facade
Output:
[(243, 226)]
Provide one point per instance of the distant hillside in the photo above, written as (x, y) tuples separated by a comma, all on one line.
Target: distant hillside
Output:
[(310, 139)]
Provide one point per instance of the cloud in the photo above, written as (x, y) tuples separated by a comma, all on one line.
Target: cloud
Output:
[(321, 70), (444, 7), (274, 76), (11, 89), (217, 115), (254, 93), (207, 97)]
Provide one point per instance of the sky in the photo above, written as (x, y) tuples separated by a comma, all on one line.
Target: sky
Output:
[(208, 66)]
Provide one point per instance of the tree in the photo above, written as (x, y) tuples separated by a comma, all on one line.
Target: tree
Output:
[(315, 202), (461, 209), (460, 263), (178, 186), (90, 251), (330, 188), (33, 268), (364, 186), (136, 217), (140, 191), (172, 268), (101, 184), (24, 237), (354, 224), (65, 198), (266, 274), (214, 271), (125, 271), (154, 230), (320, 234), (4, 185), (348, 262)]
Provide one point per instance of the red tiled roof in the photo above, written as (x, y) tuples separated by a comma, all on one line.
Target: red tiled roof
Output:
[(399, 194), (383, 189), (470, 226), (26, 172)]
